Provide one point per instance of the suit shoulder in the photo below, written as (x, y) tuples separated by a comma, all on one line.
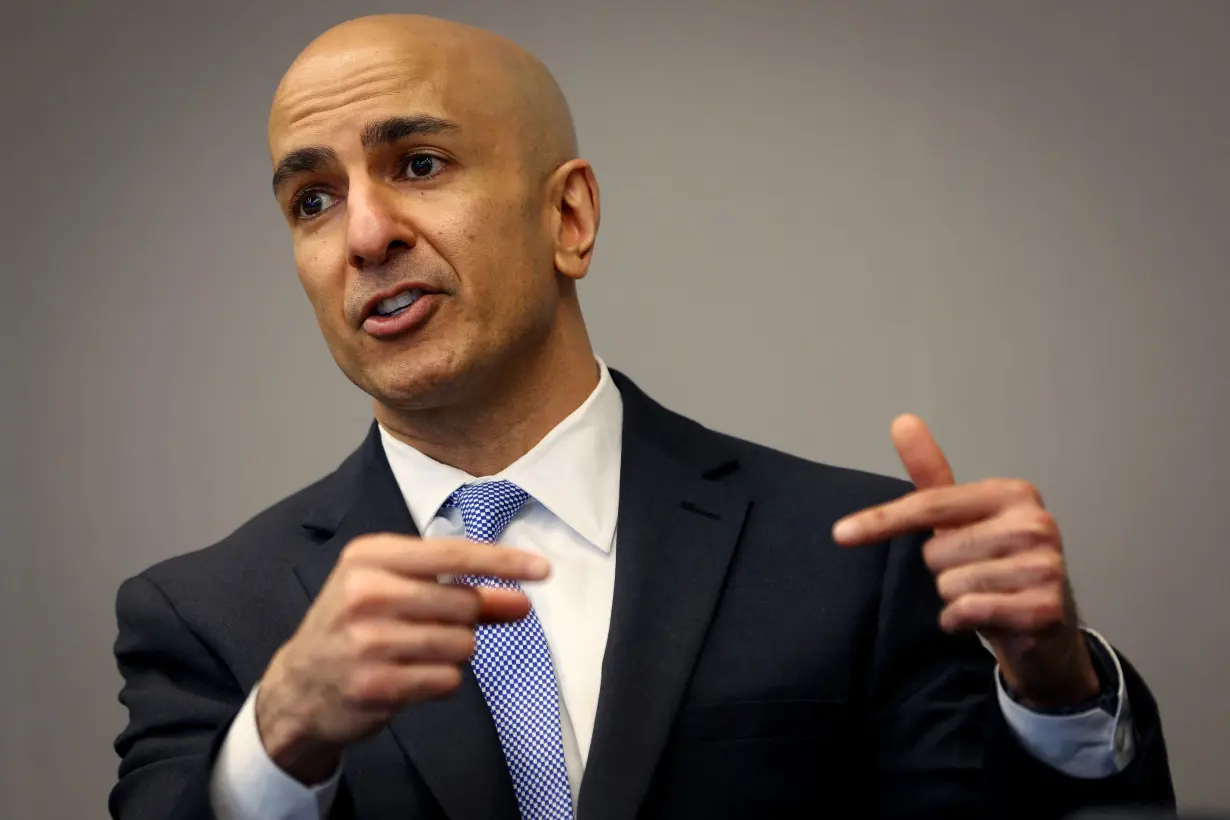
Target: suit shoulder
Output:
[(762, 470), (267, 540), (765, 470), (765, 466)]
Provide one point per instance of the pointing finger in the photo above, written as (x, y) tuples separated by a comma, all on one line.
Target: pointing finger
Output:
[(918, 511), (432, 557)]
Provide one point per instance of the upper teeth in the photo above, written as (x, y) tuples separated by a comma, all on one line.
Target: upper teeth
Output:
[(396, 303)]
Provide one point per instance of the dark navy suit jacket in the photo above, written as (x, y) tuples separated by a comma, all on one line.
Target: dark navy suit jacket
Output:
[(753, 668)]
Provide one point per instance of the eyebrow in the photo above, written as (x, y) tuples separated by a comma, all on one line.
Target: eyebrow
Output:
[(383, 132), (395, 129), (300, 161)]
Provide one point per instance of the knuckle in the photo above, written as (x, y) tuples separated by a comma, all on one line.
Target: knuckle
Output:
[(351, 550), (363, 685), (1037, 527), (1051, 567), (1043, 520), (357, 593), (1016, 489), (358, 548), (948, 585), (960, 607), (442, 681), (451, 680), (365, 640), (1025, 492), (1047, 613), (970, 611), (1055, 608)]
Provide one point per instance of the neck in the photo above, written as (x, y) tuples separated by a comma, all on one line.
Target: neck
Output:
[(487, 433)]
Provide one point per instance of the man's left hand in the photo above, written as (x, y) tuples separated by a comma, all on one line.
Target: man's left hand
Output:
[(997, 557)]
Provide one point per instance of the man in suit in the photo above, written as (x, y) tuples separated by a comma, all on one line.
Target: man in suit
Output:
[(532, 591)]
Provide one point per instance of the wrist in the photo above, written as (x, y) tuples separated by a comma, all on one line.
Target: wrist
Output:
[(1083, 689), (1083, 685), (287, 740)]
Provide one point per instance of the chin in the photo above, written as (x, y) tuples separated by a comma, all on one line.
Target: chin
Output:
[(416, 383)]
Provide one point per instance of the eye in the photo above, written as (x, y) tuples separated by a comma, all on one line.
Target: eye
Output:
[(312, 203), (422, 166)]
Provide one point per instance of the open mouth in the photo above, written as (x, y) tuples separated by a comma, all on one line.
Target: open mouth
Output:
[(400, 303), (405, 311)]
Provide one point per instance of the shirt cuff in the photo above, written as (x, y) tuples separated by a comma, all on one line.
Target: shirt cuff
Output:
[(247, 785), (1088, 745)]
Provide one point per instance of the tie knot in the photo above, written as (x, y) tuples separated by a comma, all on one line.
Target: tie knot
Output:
[(487, 508)]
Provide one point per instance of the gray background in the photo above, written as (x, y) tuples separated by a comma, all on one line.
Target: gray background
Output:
[(1008, 217)]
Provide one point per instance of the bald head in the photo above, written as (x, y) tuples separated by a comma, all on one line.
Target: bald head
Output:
[(500, 86), (439, 213)]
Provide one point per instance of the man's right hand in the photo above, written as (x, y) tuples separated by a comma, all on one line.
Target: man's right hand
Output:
[(382, 634)]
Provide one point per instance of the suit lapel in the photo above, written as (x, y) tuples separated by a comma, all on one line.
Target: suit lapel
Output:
[(677, 534), (452, 742)]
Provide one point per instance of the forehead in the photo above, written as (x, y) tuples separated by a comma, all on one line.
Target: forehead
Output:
[(329, 98)]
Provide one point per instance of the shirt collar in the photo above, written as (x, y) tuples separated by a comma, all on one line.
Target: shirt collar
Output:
[(573, 471)]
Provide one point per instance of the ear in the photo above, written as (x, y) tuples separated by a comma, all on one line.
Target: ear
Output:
[(576, 217)]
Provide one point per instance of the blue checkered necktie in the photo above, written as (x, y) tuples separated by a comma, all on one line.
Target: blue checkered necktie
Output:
[(513, 666)]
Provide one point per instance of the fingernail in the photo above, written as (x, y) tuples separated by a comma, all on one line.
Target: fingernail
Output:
[(539, 567), (847, 530)]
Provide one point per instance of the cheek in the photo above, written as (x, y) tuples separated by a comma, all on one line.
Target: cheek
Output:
[(320, 276), (495, 250)]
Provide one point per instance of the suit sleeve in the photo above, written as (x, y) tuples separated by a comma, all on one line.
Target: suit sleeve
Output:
[(942, 746), (181, 700)]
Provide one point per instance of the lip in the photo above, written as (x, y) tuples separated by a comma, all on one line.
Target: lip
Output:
[(409, 319)]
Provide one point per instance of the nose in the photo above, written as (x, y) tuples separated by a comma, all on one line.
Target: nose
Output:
[(374, 231)]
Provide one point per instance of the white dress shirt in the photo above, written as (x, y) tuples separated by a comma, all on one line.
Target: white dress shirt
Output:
[(572, 475)]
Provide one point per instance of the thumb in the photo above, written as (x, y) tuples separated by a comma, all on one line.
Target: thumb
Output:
[(922, 457)]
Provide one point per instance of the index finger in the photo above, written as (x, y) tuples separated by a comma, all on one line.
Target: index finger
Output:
[(432, 557), (917, 511)]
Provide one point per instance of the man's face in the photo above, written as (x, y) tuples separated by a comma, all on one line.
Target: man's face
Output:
[(421, 234)]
